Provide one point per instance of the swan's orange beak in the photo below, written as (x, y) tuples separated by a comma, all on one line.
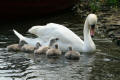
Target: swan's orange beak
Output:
[(92, 30)]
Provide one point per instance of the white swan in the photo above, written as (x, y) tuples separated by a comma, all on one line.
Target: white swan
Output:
[(66, 36)]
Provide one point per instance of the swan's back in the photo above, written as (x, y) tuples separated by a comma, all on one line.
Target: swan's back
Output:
[(66, 36)]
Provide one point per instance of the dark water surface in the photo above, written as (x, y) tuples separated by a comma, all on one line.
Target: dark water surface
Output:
[(102, 65)]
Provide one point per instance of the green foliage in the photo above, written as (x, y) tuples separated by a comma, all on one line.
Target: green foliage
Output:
[(95, 5), (113, 3)]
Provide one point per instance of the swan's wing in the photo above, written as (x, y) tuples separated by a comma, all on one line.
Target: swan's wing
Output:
[(54, 30), (65, 35), (43, 30)]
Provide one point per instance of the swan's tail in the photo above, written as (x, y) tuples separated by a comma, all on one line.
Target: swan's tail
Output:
[(20, 36)]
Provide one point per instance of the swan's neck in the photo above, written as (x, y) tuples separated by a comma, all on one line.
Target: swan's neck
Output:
[(88, 42), (86, 32)]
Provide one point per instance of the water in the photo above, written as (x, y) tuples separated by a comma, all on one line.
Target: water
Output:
[(102, 65)]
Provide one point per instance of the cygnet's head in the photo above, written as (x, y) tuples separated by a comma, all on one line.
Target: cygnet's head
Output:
[(21, 43), (37, 45), (70, 48), (92, 21), (54, 40), (56, 46)]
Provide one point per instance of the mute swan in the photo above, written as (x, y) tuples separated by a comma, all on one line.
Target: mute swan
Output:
[(53, 52), (66, 36), (43, 49), (71, 54), (15, 47)]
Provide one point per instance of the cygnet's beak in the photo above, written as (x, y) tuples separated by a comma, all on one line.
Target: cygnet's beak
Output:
[(92, 30), (57, 38)]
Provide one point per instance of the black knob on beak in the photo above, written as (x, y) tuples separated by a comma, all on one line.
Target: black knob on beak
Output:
[(93, 26), (92, 36)]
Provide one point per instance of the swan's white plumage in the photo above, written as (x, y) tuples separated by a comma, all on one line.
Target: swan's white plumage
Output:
[(66, 36)]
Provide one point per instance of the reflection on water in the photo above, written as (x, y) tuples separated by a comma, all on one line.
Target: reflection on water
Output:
[(102, 65)]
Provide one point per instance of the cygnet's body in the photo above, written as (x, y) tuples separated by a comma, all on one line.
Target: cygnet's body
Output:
[(43, 49), (26, 47), (72, 55), (14, 47), (53, 52)]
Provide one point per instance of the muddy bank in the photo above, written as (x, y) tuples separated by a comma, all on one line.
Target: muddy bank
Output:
[(109, 25)]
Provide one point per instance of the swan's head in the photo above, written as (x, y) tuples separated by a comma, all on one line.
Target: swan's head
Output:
[(92, 21)]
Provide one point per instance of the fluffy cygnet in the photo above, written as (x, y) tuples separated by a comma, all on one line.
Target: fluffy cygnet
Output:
[(15, 47), (72, 55), (53, 52), (26, 47)]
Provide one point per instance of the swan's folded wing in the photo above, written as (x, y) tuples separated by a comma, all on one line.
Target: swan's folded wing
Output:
[(43, 30), (53, 30)]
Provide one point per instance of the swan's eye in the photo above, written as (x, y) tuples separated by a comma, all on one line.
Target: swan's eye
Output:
[(93, 26)]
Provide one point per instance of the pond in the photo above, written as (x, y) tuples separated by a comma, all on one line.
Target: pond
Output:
[(102, 65)]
